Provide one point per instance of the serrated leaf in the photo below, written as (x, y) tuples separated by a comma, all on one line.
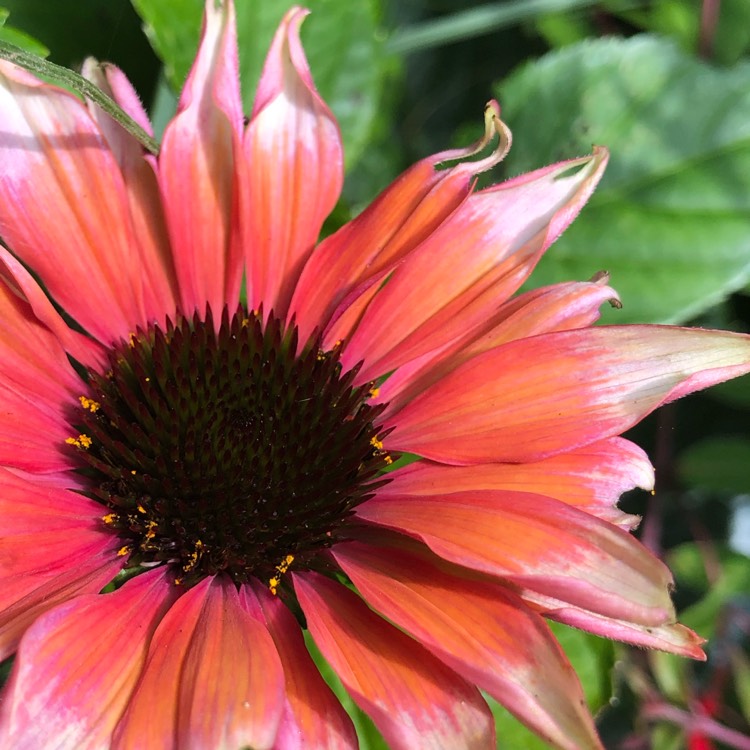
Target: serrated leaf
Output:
[(671, 218), (341, 38)]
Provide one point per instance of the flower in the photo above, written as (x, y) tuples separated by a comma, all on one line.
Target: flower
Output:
[(228, 472)]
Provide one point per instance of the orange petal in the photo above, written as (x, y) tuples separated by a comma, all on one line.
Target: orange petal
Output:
[(413, 699), (591, 478), (212, 678), (483, 631), (539, 543), (452, 283), (293, 171), (63, 206), (314, 718), (362, 252), (536, 397), (77, 665), (197, 171), (560, 307)]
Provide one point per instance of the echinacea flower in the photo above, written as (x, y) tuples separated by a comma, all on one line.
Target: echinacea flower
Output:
[(232, 468)]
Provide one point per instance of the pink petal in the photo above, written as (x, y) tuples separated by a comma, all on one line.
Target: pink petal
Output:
[(414, 700), (591, 478), (536, 397), (32, 360), (157, 268), (293, 170), (450, 285), (559, 307), (314, 718), (398, 220), (483, 631), (671, 637), (77, 665), (212, 678), (84, 350), (71, 528), (63, 206), (539, 543), (116, 85), (197, 171), (24, 501), (33, 433), (88, 565)]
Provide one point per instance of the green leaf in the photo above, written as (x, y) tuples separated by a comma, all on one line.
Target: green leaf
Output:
[(477, 21), (19, 38), (671, 218), (741, 667), (341, 38), (733, 580), (717, 463), (5, 667), (734, 393), (72, 31), (681, 20)]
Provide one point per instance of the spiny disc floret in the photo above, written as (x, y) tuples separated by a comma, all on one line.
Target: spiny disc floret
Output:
[(227, 450)]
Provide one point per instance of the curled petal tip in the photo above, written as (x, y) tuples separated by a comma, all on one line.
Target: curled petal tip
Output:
[(601, 154), (493, 127)]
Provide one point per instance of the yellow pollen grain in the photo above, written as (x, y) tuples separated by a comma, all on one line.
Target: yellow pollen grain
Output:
[(377, 444), (109, 518), (123, 551), (90, 404), (141, 509), (388, 460), (150, 533), (374, 392), (132, 339), (195, 556), (281, 568), (82, 441)]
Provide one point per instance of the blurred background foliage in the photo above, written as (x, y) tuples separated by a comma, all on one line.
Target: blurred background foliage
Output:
[(665, 84)]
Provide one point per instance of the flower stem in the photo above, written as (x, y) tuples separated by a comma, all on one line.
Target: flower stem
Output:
[(80, 85)]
